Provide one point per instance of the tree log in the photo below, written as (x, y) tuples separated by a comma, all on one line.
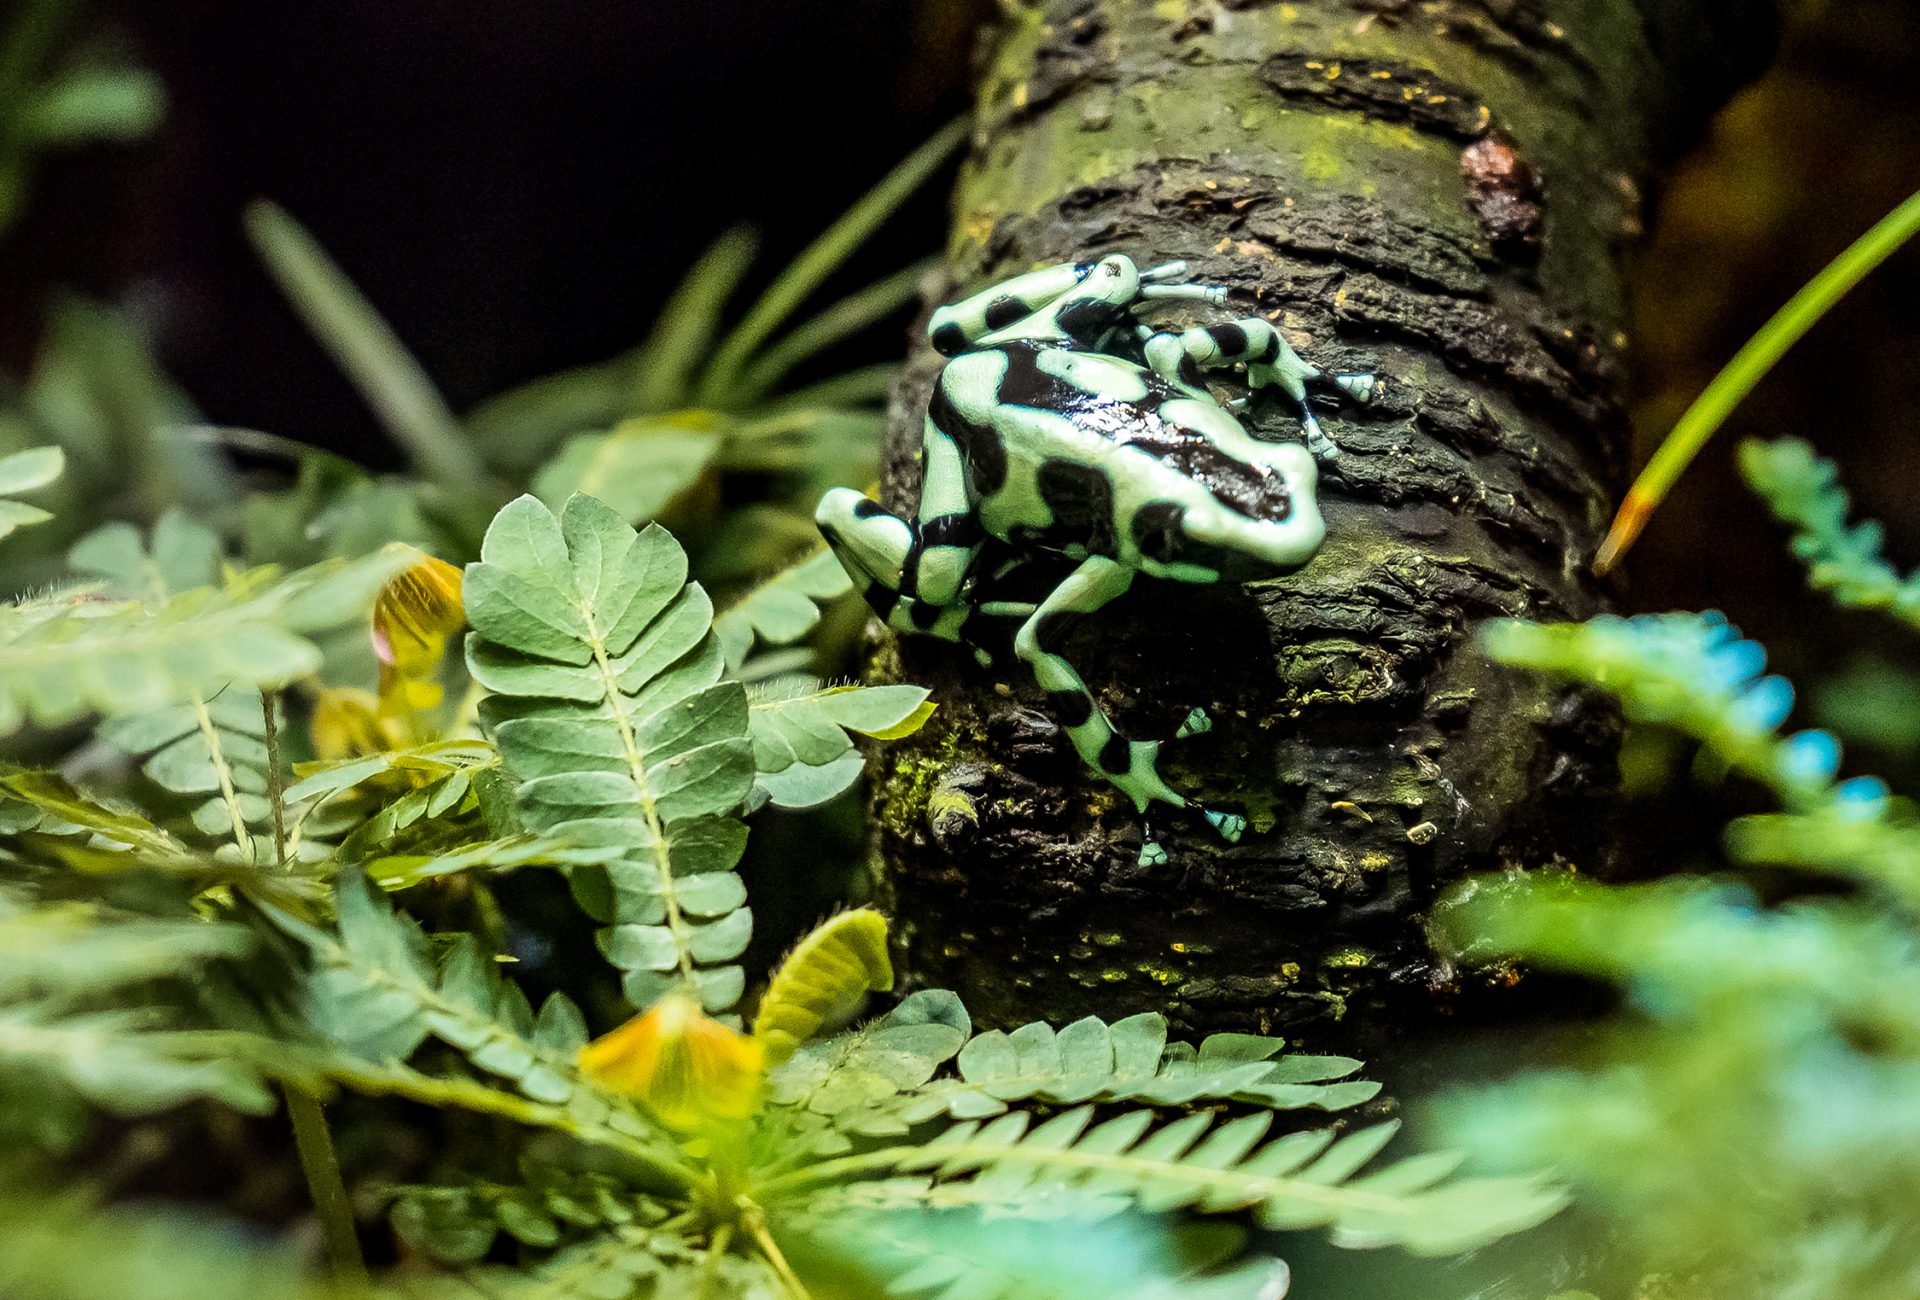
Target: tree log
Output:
[(1436, 192)]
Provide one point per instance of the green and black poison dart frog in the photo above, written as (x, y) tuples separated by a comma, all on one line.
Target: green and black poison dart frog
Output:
[(1063, 427)]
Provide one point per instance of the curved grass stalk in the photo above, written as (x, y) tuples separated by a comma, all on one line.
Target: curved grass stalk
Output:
[(1717, 401)]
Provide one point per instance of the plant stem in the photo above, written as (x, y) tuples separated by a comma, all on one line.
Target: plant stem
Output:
[(710, 1266), (1716, 402), (276, 783), (322, 1169), (756, 1226), (224, 774)]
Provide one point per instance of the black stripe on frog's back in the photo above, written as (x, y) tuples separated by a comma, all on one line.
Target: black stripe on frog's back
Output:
[(1025, 383), (1255, 490)]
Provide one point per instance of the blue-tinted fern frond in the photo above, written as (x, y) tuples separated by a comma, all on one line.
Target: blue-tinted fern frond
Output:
[(1696, 674), (1845, 560)]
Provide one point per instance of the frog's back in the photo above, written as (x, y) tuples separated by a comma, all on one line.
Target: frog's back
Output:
[(1064, 447)]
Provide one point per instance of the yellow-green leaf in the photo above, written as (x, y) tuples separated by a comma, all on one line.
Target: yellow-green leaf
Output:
[(823, 981)]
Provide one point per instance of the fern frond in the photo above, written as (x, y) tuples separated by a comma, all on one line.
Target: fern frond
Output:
[(67, 655), (879, 1080), (63, 951), (859, 1081), (802, 752), (215, 748), (632, 1260), (59, 1045), (1302, 1180), (1693, 949), (1694, 673), (375, 994), (45, 817), (22, 472), (458, 1223), (610, 713), (782, 609), (45, 803), (414, 764), (394, 871), (1845, 560), (1058, 1252), (1883, 854)]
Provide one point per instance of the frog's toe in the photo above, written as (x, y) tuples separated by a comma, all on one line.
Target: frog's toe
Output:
[(1358, 387), (1197, 723), (1152, 853), (1231, 826)]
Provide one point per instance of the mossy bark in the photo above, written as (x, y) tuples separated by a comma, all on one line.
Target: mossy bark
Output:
[(1438, 192)]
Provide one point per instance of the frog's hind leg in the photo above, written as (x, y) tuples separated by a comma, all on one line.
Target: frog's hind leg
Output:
[(1270, 363), (1128, 764)]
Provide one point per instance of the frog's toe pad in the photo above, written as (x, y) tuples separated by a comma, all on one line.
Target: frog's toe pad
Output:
[(1358, 387), (1152, 854), (1230, 825), (1197, 723)]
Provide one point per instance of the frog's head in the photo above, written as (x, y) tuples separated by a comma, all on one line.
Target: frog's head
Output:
[(1100, 301)]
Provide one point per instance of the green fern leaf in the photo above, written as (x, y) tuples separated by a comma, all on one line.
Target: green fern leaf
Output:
[(68, 655), (881, 1079), (783, 609), (45, 818), (610, 713), (26, 471), (1845, 560), (375, 993), (803, 754), (1062, 1251), (1301, 1180), (59, 1052), (216, 748), (458, 1223)]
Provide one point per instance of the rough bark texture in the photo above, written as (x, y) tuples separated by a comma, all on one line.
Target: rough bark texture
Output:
[(1438, 192)]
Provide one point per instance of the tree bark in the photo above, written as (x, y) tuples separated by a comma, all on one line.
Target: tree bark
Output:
[(1438, 192)]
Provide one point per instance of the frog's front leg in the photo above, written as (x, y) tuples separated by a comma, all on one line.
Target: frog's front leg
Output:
[(1269, 360), (877, 548)]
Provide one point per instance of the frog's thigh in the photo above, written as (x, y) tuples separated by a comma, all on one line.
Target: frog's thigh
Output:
[(949, 531), (1129, 764)]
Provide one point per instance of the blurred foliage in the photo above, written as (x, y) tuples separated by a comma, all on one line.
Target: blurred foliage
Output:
[(1745, 1125), (54, 98)]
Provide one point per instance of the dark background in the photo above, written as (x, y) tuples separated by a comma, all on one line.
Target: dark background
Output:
[(518, 185)]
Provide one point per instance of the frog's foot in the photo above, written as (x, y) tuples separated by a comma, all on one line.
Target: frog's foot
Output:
[(1359, 388), (1152, 852), (1231, 826), (1197, 724)]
